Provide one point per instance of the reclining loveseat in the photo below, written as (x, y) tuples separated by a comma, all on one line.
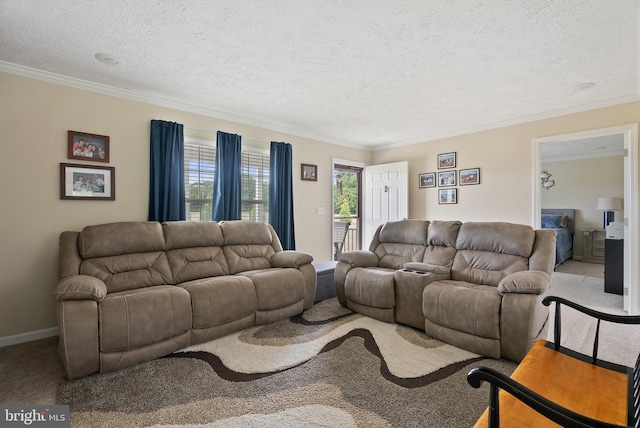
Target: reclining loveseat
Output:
[(133, 291), (477, 285)]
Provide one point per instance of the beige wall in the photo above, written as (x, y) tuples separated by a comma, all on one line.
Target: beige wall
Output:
[(34, 119), (579, 184), (505, 159)]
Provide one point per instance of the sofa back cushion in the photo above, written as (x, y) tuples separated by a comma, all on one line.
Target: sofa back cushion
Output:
[(487, 252), (248, 245), (125, 255), (399, 242), (194, 250), (441, 243)]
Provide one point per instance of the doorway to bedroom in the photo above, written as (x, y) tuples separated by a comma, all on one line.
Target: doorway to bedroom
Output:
[(580, 170)]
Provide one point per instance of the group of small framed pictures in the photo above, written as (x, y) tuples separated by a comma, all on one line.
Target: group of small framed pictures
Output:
[(87, 182), (448, 179)]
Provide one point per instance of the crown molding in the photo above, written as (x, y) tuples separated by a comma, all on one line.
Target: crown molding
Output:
[(518, 121), (86, 85)]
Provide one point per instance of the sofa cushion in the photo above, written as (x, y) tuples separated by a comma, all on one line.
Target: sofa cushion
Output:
[(373, 287), (129, 271), (483, 267), (394, 256), (463, 306), (194, 250), (195, 263), (248, 245), (441, 243), (125, 255), (443, 233), (439, 256), (399, 242), (276, 288), (487, 252), (190, 234), (114, 239), (412, 232), (246, 233), (220, 300), (496, 237), (135, 318), (242, 258)]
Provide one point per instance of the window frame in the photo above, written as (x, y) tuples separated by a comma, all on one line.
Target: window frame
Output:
[(251, 158)]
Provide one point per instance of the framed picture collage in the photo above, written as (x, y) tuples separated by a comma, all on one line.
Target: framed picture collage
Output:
[(449, 178)]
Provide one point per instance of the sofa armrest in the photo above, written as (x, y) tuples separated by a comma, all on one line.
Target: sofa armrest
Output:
[(290, 259), (425, 267), (360, 258), (80, 287), (525, 282), (348, 261)]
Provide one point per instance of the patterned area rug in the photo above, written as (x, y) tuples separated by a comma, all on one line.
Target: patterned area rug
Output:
[(326, 368)]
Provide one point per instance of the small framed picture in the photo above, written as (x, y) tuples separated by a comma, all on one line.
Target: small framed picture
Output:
[(448, 196), (469, 176), (87, 147), (308, 172), (427, 179), (446, 178), (87, 182), (447, 160)]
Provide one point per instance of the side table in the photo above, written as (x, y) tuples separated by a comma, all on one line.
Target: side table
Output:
[(594, 245), (325, 286)]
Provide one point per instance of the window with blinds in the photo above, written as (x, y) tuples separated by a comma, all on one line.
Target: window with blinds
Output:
[(199, 172), (255, 187)]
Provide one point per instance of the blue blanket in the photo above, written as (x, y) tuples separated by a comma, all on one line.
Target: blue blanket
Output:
[(564, 242)]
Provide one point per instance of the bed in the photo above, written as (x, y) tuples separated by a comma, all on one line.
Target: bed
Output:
[(562, 220)]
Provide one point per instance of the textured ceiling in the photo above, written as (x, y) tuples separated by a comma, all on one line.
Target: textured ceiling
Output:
[(376, 73), (595, 147)]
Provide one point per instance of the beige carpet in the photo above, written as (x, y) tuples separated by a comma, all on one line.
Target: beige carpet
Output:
[(618, 343), (577, 267)]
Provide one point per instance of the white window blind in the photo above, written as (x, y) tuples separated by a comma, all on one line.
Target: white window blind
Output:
[(255, 187), (199, 171)]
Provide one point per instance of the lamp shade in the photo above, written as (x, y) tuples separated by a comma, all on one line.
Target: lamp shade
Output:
[(609, 204)]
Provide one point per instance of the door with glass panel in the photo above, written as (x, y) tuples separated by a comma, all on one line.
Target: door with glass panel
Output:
[(347, 209)]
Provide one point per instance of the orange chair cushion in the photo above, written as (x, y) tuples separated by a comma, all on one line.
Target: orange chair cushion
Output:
[(582, 387)]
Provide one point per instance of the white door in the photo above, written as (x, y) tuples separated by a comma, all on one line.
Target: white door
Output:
[(385, 196)]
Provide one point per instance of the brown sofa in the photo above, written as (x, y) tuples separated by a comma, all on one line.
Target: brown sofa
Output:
[(133, 291), (478, 286)]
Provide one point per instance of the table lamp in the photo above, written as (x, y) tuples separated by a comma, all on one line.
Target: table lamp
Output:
[(609, 205)]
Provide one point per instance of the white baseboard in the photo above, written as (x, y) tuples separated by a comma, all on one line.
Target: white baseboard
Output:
[(28, 337)]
